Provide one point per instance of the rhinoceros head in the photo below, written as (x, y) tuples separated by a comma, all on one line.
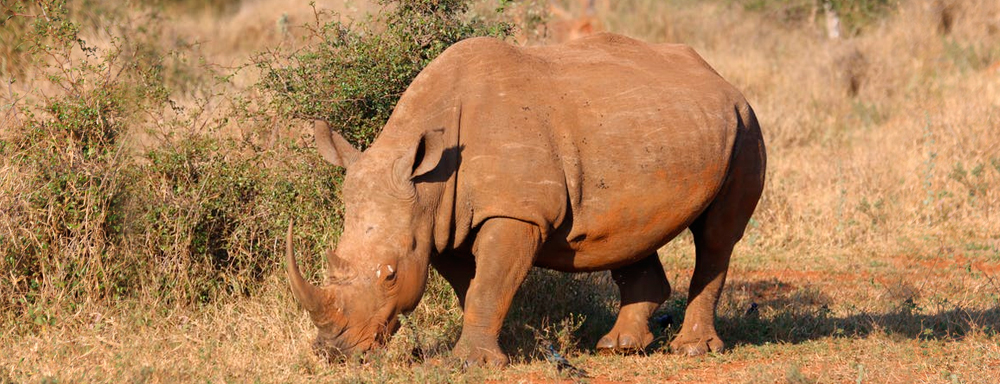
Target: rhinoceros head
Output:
[(379, 267)]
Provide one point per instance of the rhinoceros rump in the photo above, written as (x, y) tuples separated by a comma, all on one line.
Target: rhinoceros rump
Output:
[(580, 157)]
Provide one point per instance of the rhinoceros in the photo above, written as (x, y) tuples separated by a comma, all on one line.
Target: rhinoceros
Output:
[(586, 156)]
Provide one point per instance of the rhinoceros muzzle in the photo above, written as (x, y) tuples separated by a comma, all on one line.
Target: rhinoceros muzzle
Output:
[(342, 342), (339, 346), (337, 338)]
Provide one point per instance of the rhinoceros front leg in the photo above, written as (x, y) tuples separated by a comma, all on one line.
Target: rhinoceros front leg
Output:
[(504, 251), (643, 287)]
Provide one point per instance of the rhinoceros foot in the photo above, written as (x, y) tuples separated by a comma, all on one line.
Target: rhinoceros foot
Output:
[(694, 345), (625, 340), (480, 355)]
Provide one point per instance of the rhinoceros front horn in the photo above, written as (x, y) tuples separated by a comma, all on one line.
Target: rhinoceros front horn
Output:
[(310, 296)]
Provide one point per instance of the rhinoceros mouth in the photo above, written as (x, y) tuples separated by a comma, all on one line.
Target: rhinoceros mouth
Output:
[(343, 345)]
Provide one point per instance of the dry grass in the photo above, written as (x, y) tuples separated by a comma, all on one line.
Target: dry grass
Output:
[(873, 257)]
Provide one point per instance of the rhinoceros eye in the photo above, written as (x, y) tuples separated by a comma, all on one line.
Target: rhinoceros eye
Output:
[(390, 272), (386, 272)]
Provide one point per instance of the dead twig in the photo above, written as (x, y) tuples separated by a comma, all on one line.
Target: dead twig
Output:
[(989, 278), (12, 109)]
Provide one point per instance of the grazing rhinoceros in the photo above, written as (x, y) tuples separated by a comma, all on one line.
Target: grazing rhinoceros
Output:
[(580, 157)]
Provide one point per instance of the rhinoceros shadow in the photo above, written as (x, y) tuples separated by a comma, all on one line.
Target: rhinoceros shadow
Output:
[(551, 304), (571, 311), (803, 313)]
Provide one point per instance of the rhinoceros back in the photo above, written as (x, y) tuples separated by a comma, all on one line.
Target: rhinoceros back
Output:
[(610, 145)]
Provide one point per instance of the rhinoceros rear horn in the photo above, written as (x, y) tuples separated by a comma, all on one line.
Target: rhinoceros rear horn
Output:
[(308, 295), (333, 147)]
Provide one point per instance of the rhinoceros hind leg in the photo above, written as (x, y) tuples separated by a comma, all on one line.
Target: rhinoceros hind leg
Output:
[(504, 251), (715, 232), (697, 335), (643, 287)]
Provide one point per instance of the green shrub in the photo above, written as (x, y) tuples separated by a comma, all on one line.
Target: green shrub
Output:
[(70, 148), (355, 74), (88, 218), (215, 211)]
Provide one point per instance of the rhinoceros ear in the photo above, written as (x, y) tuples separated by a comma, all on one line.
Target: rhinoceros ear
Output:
[(333, 147), (424, 157)]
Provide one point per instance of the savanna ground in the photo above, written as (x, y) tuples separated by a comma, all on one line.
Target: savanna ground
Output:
[(148, 169)]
